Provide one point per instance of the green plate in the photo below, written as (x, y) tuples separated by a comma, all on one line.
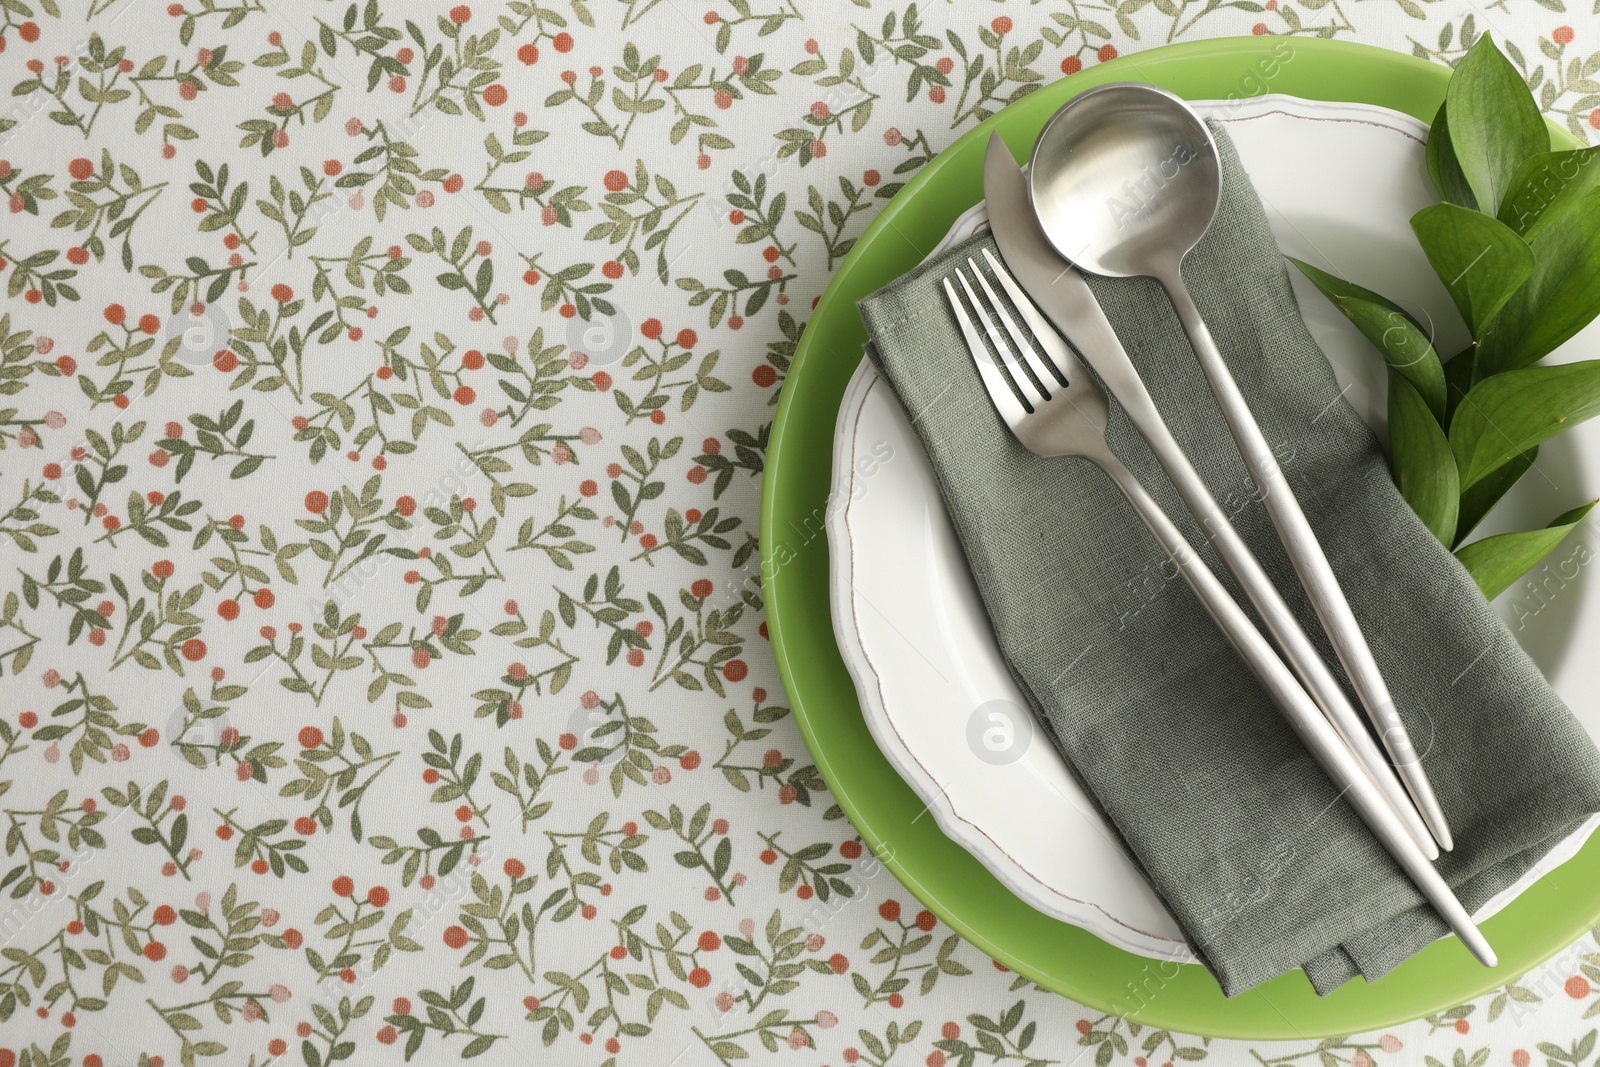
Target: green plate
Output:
[(954, 885)]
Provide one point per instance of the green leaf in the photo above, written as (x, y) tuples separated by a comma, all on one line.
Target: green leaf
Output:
[(1545, 181), (1404, 345), (1496, 562), (1443, 168), (1459, 374), (1508, 414), (1494, 122), (1560, 298), (1479, 500), (1424, 467), (1480, 260)]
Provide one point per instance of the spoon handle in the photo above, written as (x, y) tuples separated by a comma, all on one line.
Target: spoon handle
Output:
[(1310, 564)]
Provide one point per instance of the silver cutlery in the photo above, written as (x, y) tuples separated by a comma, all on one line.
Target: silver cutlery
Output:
[(1063, 295), (1125, 180), (1056, 409)]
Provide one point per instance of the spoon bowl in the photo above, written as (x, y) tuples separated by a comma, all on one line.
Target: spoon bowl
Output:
[(1125, 179)]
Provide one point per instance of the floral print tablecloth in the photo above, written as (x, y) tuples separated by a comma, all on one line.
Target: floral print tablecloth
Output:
[(384, 388)]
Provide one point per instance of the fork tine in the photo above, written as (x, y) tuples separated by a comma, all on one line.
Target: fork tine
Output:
[(1035, 366), (1012, 359), (1017, 369), (995, 381), (1059, 354)]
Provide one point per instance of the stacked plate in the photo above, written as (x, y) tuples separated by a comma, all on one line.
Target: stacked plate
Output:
[(1050, 893)]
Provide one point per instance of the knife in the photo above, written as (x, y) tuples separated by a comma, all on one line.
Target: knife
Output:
[(1066, 300)]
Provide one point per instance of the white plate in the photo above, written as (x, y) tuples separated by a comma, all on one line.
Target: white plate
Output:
[(1340, 182)]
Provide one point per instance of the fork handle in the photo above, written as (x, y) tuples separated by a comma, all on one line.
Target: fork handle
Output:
[(1347, 772), (1310, 563)]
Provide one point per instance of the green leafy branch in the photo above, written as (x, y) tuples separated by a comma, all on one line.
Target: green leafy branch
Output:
[(121, 210), (155, 809), (291, 208), (221, 438), (1516, 242), (454, 1014), (534, 776), (459, 255), (1009, 1038), (330, 774)]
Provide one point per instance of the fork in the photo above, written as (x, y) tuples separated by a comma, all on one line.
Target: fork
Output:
[(1055, 408)]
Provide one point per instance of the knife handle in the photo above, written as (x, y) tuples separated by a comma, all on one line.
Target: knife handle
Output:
[(1310, 563), (1348, 774), (1280, 622)]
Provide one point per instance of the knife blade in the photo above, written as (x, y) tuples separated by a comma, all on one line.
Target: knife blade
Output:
[(1061, 292)]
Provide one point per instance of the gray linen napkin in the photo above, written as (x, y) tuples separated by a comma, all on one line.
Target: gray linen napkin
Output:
[(1265, 868)]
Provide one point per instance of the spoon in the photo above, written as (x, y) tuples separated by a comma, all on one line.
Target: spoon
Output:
[(1125, 179)]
